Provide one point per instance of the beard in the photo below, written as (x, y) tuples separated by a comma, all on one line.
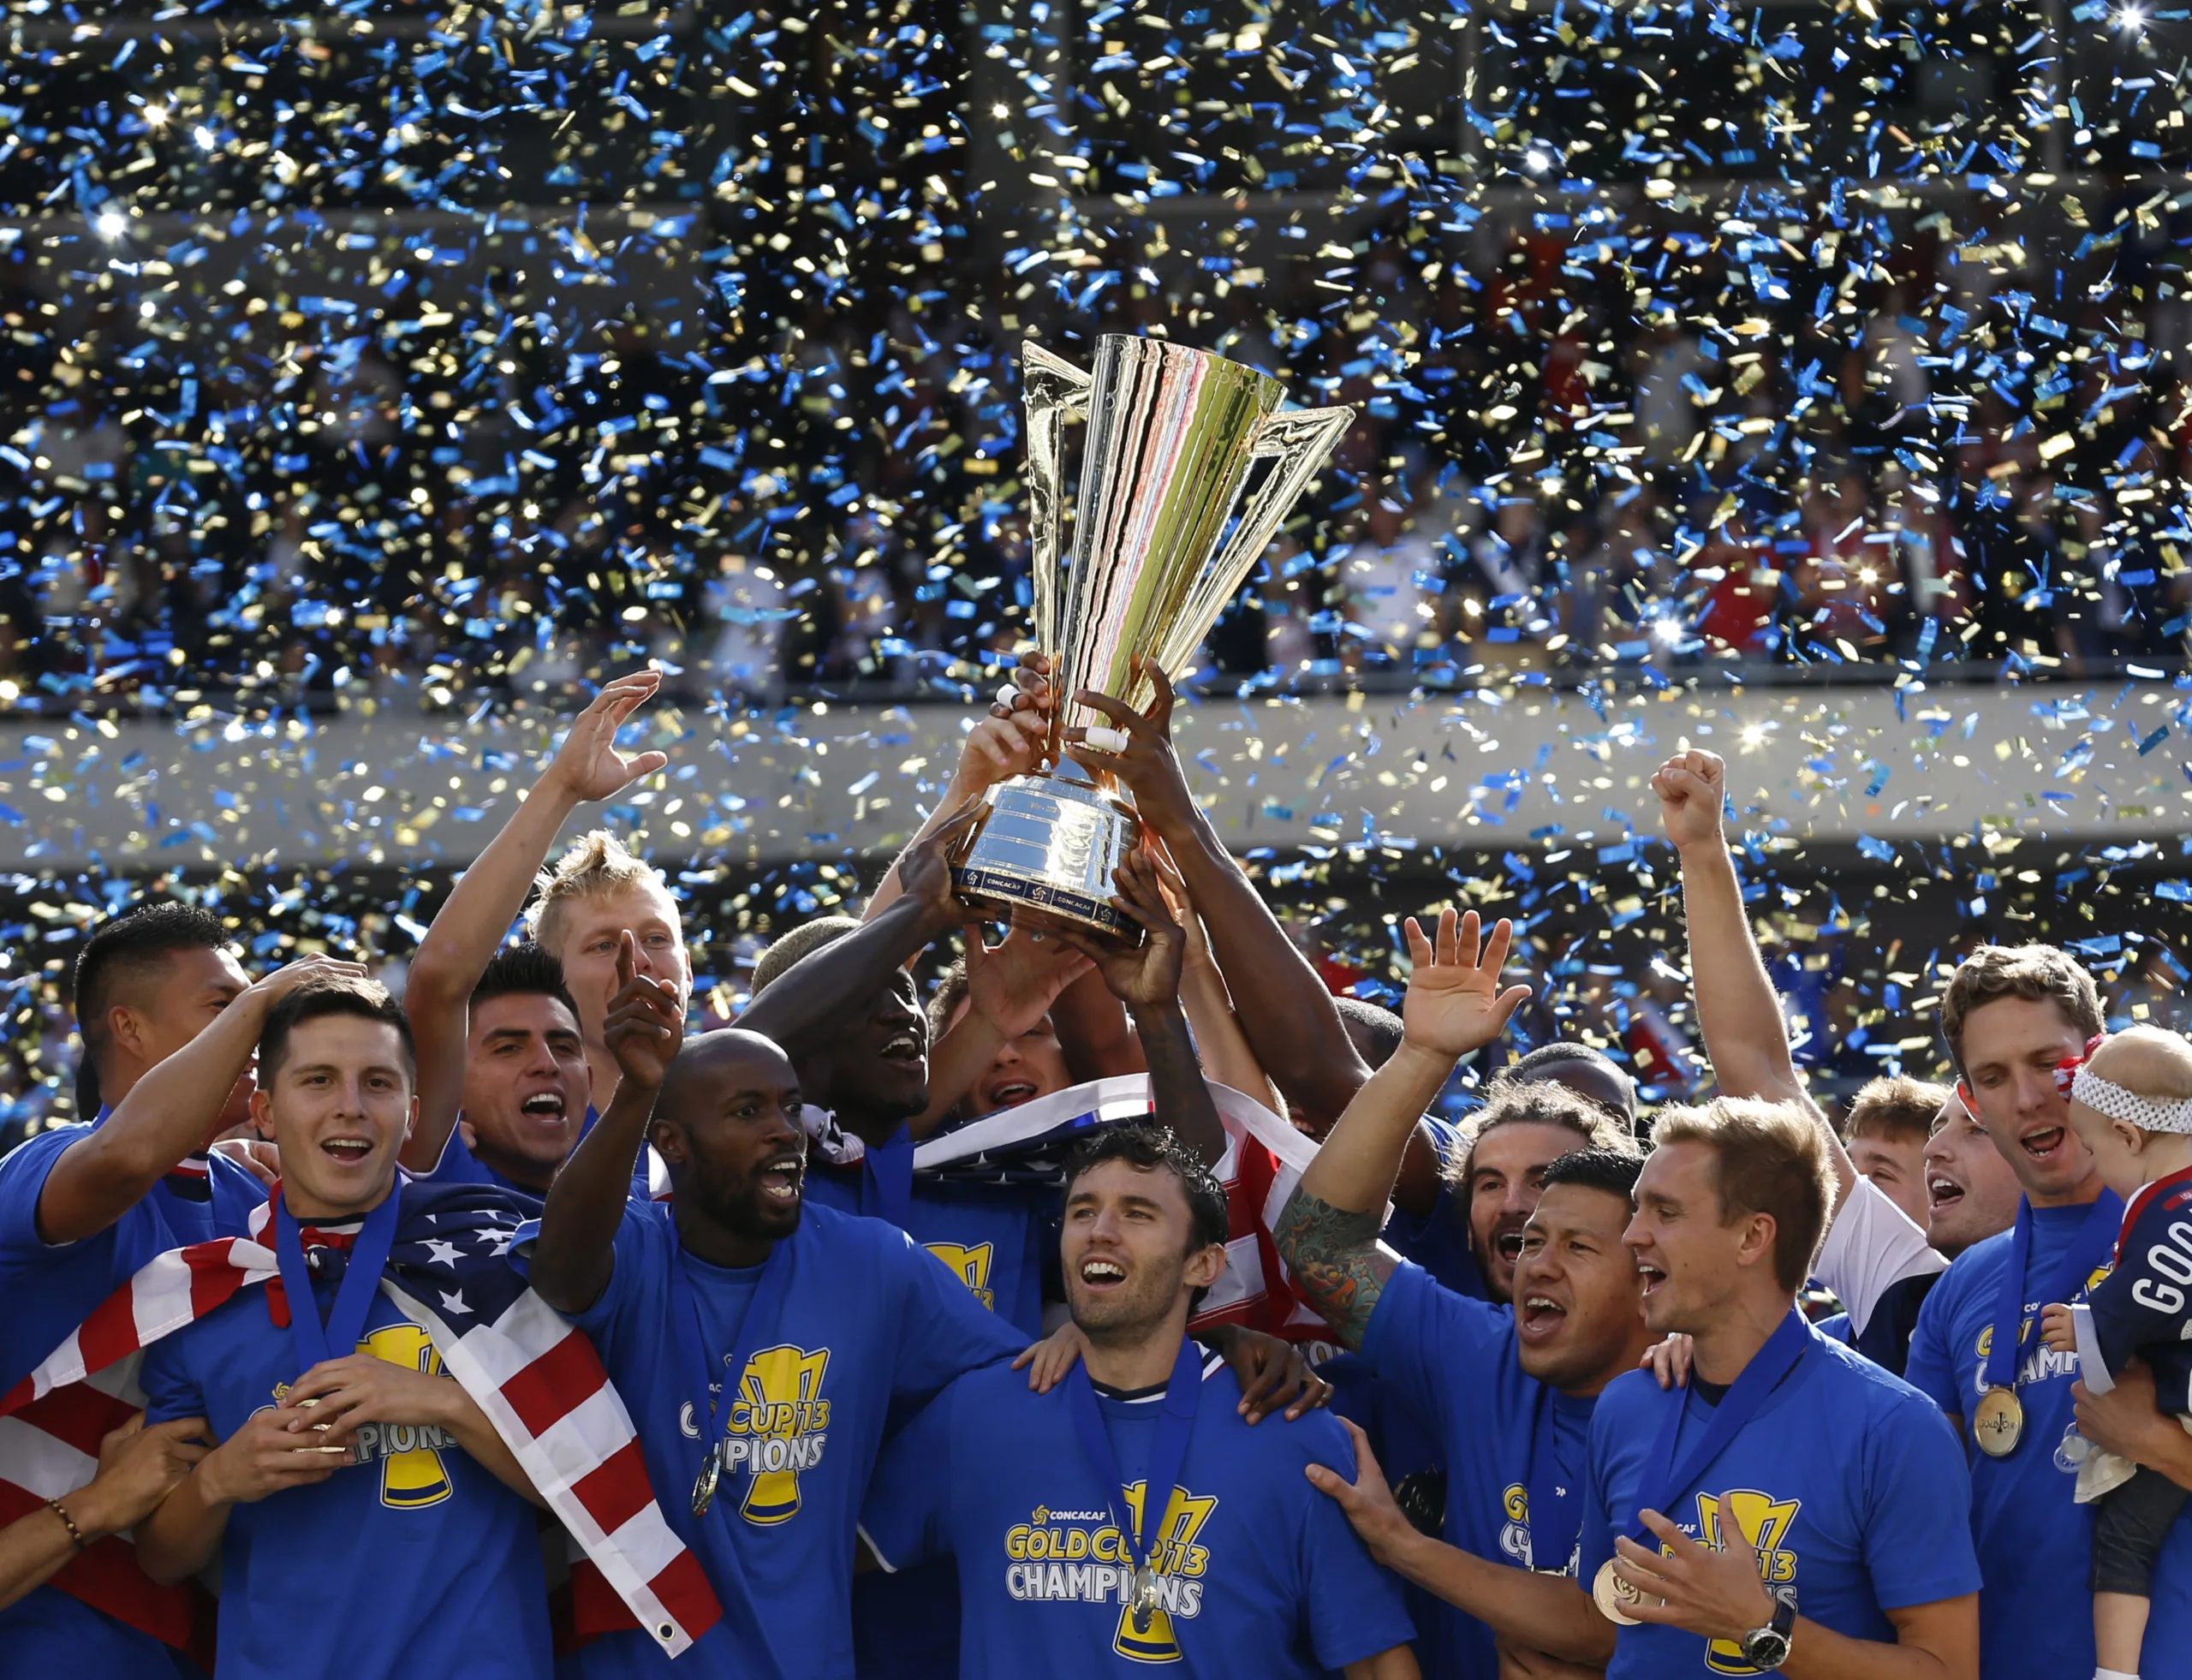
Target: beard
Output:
[(739, 1205), (1128, 1314)]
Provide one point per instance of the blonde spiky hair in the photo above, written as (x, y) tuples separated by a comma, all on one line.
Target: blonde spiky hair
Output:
[(596, 866)]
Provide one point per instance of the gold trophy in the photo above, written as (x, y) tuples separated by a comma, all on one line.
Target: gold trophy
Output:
[(1158, 552)]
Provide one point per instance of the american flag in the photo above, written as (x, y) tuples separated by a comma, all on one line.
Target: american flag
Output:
[(538, 1380), (1264, 1161)]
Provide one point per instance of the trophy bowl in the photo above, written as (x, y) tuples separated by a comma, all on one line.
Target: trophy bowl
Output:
[(1162, 541)]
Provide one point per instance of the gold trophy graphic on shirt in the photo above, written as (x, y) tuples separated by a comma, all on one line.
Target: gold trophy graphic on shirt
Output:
[(1171, 1582), (1173, 433)]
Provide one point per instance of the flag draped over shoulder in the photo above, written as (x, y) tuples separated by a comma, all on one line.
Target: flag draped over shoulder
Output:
[(538, 1380), (1264, 1159)]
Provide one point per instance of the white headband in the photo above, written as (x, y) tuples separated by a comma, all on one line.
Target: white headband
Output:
[(2148, 1114)]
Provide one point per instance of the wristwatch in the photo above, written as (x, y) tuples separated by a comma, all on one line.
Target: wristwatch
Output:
[(1767, 1648)]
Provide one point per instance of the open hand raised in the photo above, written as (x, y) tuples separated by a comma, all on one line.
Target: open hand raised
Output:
[(1454, 1003)]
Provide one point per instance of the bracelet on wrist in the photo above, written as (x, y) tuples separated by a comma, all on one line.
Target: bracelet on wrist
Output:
[(67, 1523)]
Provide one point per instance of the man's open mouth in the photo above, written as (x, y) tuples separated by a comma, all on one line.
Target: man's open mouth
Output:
[(905, 1048), (780, 1178), (1943, 1193), (1507, 1244), (349, 1151), (546, 1106), (1654, 1277), (1102, 1274), (1541, 1316), (1005, 1093), (2044, 1143)]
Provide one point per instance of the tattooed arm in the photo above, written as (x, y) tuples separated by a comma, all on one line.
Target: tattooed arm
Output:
[(1336, 1257), (1328, 1234)]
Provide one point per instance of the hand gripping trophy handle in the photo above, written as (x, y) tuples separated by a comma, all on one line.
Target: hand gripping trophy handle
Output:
[(1158, 552)]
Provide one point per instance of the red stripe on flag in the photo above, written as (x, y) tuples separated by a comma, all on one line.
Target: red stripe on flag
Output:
[(616, 1490), (78, 1415), (110, 1332), (682, 1589), (213, 1278), (556, 1384), (595, 1608)]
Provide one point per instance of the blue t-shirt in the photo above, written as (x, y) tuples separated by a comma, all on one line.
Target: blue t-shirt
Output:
[(869, 1327), (51, 1288), (416, 1561), (1849, 1484), (993, 1237), (1439, 1241), (1259, 1573), (1453, 1362), (2035, 1541), (990, 1236)]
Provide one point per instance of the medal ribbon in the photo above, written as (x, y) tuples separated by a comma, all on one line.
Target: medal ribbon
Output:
[(761, 1315), (1553, 1517), (317, 1342), (1173, 1427), (886, 1180), (1657, 1489), (2095, 1240)]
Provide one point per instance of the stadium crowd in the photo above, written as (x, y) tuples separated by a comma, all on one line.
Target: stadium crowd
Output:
[(1111, 1305), (1947, 468)]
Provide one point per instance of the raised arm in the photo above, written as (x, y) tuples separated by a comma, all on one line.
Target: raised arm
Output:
[(576, 1251), (806, 1004), (1739, 1013), (1328, 1233), (171, 1111), (1227, 1055), (1146, 980), (474, 921), (1285, 1009), (1010, 742)]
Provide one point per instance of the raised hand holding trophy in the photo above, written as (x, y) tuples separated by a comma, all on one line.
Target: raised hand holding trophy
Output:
[(1172, 434)]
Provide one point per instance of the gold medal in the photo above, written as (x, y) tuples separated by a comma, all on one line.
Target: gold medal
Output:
[(1613, 1596), (1998, 1424), (704, 1489), (1145, 1599)]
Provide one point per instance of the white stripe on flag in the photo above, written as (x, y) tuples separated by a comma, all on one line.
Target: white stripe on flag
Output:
[(584, 1438), (1242, 1280), (44, 1465), (549, 1476), (645, 1541)]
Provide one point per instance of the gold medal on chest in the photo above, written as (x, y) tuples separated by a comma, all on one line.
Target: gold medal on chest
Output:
[(1998, 1424), (1614, 1595)]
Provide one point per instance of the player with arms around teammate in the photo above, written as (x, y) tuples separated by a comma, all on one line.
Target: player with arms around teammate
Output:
[(1509, 1396), (758, 1343), (368, 1520), (1131, 1516), (169, 1020)]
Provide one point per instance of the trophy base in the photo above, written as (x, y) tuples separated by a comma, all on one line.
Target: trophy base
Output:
[(1042, 855)]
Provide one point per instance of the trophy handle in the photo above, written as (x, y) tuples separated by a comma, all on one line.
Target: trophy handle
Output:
[(1053, 389), (1302, 440)]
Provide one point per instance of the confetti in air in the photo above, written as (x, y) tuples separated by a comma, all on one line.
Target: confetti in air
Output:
[(1807, 379)]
